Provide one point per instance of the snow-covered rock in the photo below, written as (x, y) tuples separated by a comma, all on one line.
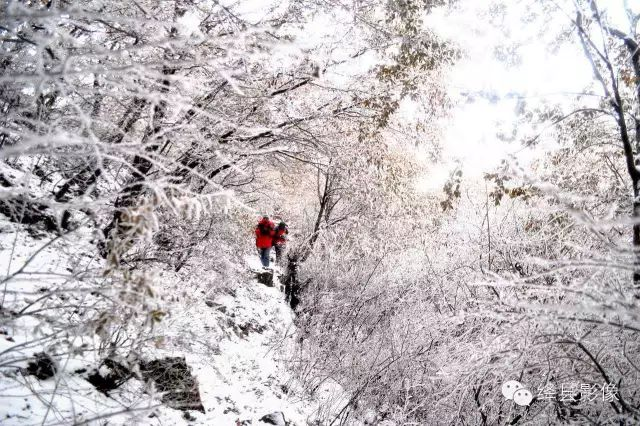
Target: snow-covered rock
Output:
[(276, 418)]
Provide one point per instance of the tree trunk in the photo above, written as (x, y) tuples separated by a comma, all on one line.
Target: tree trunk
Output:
[(141, 166), (612, 92), (636, 236)]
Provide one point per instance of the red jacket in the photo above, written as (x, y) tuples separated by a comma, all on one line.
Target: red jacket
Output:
[(279, 236), (264, 233)]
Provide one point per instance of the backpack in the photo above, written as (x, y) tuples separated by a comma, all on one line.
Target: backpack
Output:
[(279, 236), (264, 228)]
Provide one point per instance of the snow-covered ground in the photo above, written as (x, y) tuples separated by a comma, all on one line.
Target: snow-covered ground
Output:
[(250, 329), (234, 337)]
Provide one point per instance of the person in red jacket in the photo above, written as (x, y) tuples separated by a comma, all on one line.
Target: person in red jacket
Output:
[(280, 240), (264, 239)]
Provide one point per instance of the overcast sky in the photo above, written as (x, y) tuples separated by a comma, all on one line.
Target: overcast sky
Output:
[(540, 75)]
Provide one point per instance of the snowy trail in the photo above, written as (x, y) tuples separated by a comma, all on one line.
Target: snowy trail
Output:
[(247, 380), (243, 378)]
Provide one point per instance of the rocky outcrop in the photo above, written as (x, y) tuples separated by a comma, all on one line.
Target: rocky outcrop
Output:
[(173, 378)]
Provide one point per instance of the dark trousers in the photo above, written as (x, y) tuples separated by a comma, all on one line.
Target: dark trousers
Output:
[(264, 256), (279, 253)]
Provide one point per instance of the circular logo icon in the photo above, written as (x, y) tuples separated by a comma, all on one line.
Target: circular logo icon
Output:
[(509, 388), (522, 397), (514, 390)]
